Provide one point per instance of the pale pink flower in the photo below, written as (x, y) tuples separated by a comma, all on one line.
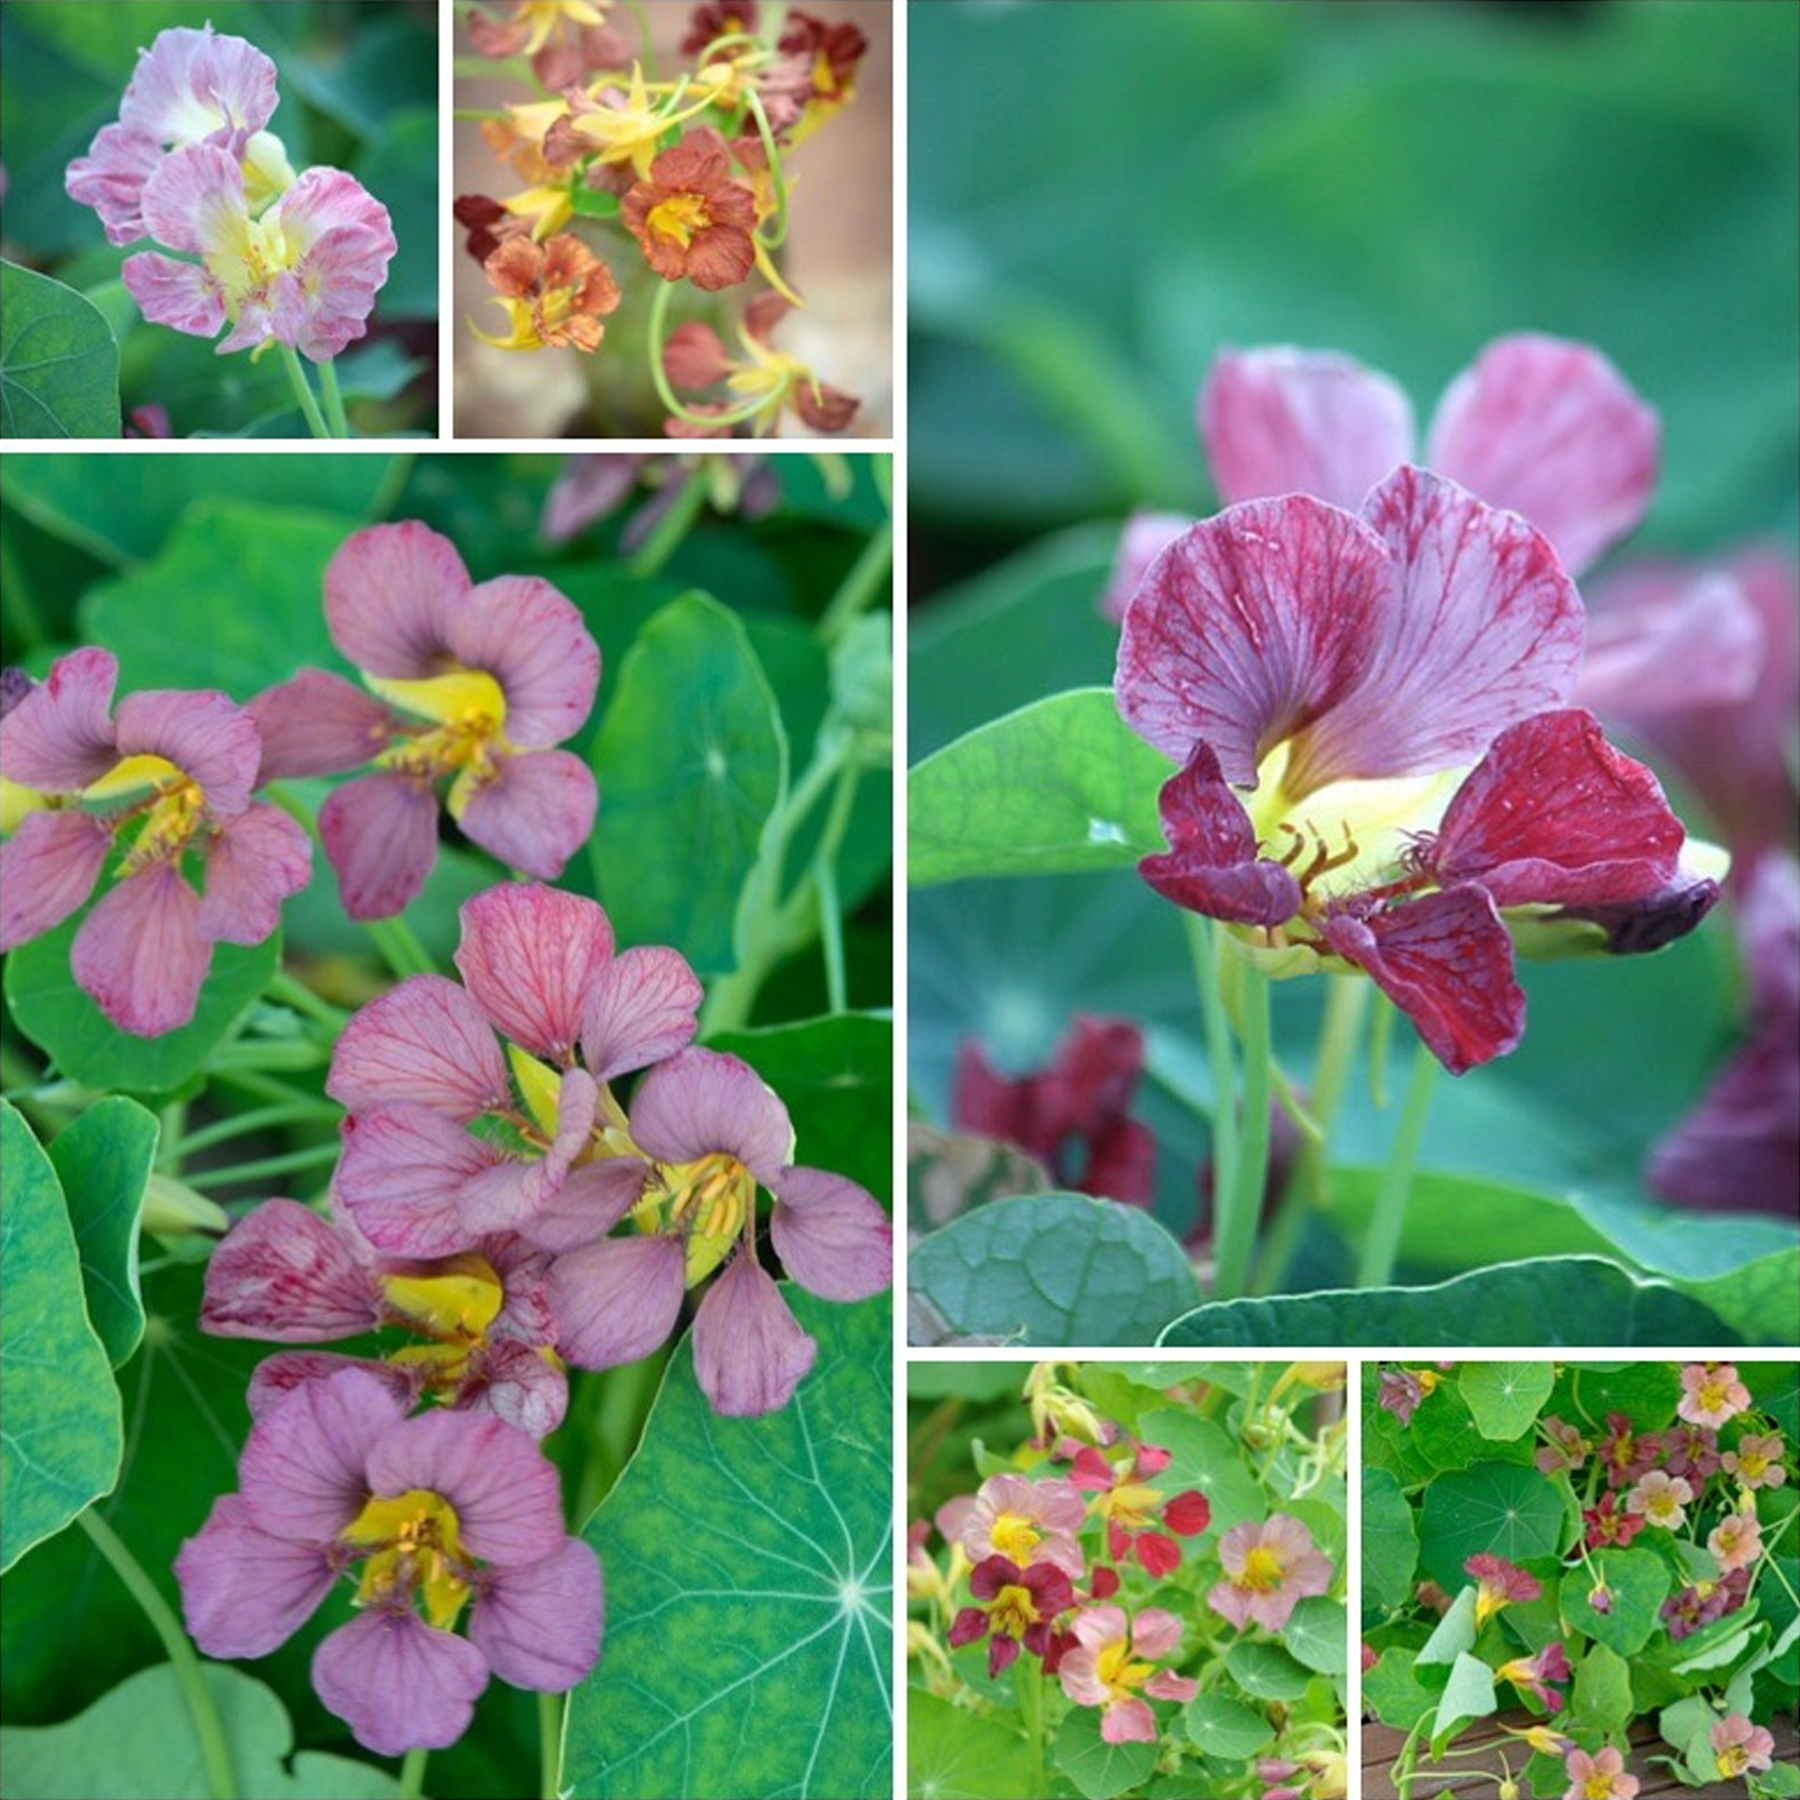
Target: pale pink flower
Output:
[(1740, 1746), (1269, 1569), (1114, 1657), (1756, 1462), (1711, 1393), (1736, 1541), (1028, 1522), (1598, 1777), (1661, 1498)]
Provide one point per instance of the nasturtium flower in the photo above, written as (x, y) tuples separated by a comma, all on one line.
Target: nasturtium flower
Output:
[(473, 685), (1113, 1665), (1543, 1676), (429, 1514), (1691, 1450), (695, 357), (1739, 1746), (1499, 1583), (1736, 1541), (554, 294), (1377, 758), (286, 1275), (161, 785), (1755, 1461), (712, 1134), (1027, 1521), (303, 273), (1662, 1499), (1269, 1569), (1013, 1607), (1400, 1391), (1598, 1777), (816, 76), (1701, 1602), (1607, 1523), (1567, 1449), (1625, 1455), (1711, 1394), (690, 218), (190, 87), (618, 129), (1133, 1509), (565, 39)]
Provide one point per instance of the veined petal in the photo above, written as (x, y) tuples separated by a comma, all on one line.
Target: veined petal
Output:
[(641, 1010), (380, 834), (700, 1101), (1128, 1721), (47, 869), (111, 177), (749, 1350), (1446, 962), (190, 84), (283, 1273), (182, 295), (1249, 627), (346, 242), (1664, 639), (1155, 1633), (508, 1196), (206, 735), (534, 812), (425, 1040), (58, 738), (1285, 421), (1551, 430), (259, 859), (1211, 865), (400, 1176), (1486, 630), (243, 1592), (276, 1377), (617, 1300), (398, 1684), (590, 1201), (515, 1383), (531, 957), (194, 201), (539, 1626), (831, 1235), (139, 954), (1554, 813), (1145, 537), (534, 642), (318, 724), (389, 594), (303, 1471)]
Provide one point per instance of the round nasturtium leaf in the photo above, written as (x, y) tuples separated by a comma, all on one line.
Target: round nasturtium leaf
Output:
[(1638, 1582), (1493, 1508)]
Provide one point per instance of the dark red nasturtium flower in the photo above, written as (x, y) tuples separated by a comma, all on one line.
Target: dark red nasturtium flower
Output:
[(1015, 1607), (1607, 1524), (690, 218)]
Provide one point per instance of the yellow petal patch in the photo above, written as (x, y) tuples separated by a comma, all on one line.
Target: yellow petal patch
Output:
[(539, 1087), (16, 800), (131, 774), (461, 1300), (469, 697)]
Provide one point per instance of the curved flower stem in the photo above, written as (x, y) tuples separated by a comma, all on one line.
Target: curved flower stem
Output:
[(215, 1749), (315, 420), (550, 1735), (334, 399), (866, 580), (1218, 1049), (659, 312), (671, 528), (778, 236), (315, 1156), (1240, 1204), (1375, 1265), (298, 997), (412, 1774)]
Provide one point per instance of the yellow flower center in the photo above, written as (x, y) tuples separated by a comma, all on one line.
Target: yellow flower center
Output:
[(1752, 1465), (1712, 1395), (1130, 1505), (459, 1300), (416, 1545), (1598, 1787), (1733, 1760), (1013, 1611), (679, 217), (1118, 1673), (1262, 1570), (173, 812), (469, 712), (1014, 1536), (712, 1198)]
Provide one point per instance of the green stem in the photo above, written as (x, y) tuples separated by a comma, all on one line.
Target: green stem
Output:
[(268, 1087), (334, 399), (824, 875), (776, 237), (867, 578), (659, 376), (1218, 1051), (1375, 1266), (215, 1750), (316, 1156), (671, 528), (400, 947), (1028, 1684), (298, 997), (315, 420), (261, 1118), (266, 1057), (550, 1729), (1240, 1205), (412, 1774)]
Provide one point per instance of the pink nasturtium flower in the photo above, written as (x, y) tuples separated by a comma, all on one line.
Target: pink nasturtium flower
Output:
[(1711, 1394), (1133, 1509), (1543, 1676), (430, 1514), (1113, 1664), (1013, 1607), (1739, 1746), (1736, 1541), (1598, 1777), (1269, 1569), (165, 780), (1756, 1461), (1376, 755), (1662, 1498), (1499, 1583), (1028, 1522), (471, 684)]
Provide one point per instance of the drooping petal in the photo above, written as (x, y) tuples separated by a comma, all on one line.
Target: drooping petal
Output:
[(111, 177), (318, 724), (1551, 430), (1486, 630), (398, 1684), (513, 1382), (1285, 421), (206, 735), (700, 1101), (1164, 1685), (275, 1377), (303, 1471), (424, 1040), (194, 201), (283, 1273), (259, 859), (507, 1197), (243, 1592), (534, 642), (1211, 865), (1155, 1633), (389, 594), (1248, 628), (531, 957), (694, 356), (1145, 537), (139, 954), (749, 1350), (535, 811), (1446, 962), (832, 1236), (592, 1199), (539, 1626), (380, 834), (47, 869), (1128, 1721), (617, 1300), (59, 738), (401, 1174), (641, 1010), (182, 295), (190, 84)]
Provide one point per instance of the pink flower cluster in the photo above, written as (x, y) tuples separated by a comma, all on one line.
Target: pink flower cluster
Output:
[(292, 259)]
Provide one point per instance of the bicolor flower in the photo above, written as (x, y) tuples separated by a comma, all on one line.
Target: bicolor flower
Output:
[(554, 294), (1701, 1602), (1740, 1747), (1399, 1391), (304, 273), (1598, 1777), (1543, 1676), (473, 685), (1269, 1568), (1661, 1498), (1070, 1115), (1376, 755), (690, 218), (816, 76), (1755, 1461), (1711, 1394), (1625, 1455), (713, 1134), (1608, 1523), (1113, 1664), (1499, 1583), (429, 1514), (286, 1275), (618, 129), (165, 779), (1567, 1449), (1013, 1608), (1735, 1542), (450, 1137), (565, 39), (1132, 1508), (767, 381), (1028, 1522), (190, 87)]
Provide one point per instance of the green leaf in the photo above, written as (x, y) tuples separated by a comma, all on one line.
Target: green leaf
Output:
[(1099, 1769), (103, 1162), (593, 203), (61, 1426), (1204, 1456), (1602, 1701), (1316, 1634), (1498, 1508), (1453, 1634), (1266, 1670), (1639, 1583), (87, 1047), (692, 761), (1390, 1544), (748, 1579), (399, 168), (1548, 1302), (1055, 1269), (1647, 1393), (1393, 1693), (1505, 1396), (1055, 788), (59, 363), (1760, 1301), (1443, 1430), (138, 1743), (1469, 1694), (952, 1754), (1225, 1727)]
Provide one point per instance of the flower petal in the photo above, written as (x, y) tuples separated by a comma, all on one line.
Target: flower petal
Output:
[(184, 296), (1285, 421), (505, 1198), (400, 1175), (832, 1237), (749, 1350), (275, 1377), (206, 735), (346, 242), (642, 1010), (1145, 537), (285, 1274), (190, 84), (531, 956), (534, 642), (539, 1626), (139, 954), (380, 833), (1550, 429), (700, 1101), (1662, 638), (513, 1382), (592, 1199), (259, 859), (111, 177), (534, 812), (1211, 865), (1155, 1633), (1128, 1722), (194, 201), (423, 1040), (58, 738), (398, 1684), (390, 592), (47, 869), (318, 724), (617, 1300), (1446, 962), (243, 1592), (303, 1469)]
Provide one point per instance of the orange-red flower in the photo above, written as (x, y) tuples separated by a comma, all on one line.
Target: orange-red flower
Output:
[(554, 294), (691, 218), (761, 387)]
